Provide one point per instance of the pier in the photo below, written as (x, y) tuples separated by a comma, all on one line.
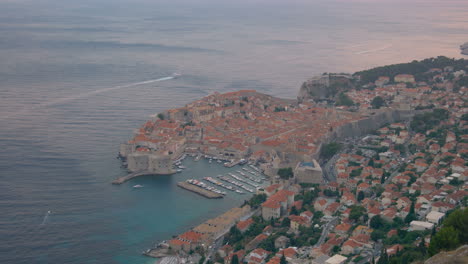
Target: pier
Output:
[(205, 193), (231, 164)]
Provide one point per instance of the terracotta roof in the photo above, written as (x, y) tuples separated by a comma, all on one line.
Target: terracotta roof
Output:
[(242, 225)]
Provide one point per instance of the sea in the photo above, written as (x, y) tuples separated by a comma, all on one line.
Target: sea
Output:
[(78, 77)]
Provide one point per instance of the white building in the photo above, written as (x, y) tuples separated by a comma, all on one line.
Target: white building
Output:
[(420, 226), (434, 217), (336, 259)]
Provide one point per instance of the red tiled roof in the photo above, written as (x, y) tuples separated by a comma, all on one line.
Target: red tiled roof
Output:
[(242, 225)]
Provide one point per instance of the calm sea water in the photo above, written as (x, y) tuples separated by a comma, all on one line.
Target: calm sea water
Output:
[(71, 90)]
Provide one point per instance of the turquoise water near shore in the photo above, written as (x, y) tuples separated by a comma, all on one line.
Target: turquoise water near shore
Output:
[(77, 77)]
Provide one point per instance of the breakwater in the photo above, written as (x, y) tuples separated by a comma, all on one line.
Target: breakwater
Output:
[(200, 191), (130, 176)]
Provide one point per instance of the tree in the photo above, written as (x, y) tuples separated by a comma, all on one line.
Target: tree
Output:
[(235, 259), (459, 220), (328, 150), (452, 234), (426, 121), (445, 239), (268, 244), (360, 196), (411, 215), (383, 257), (376, 222), (336, 249), (283, 260), (377, 102), (294, 211), (344, 99), (382, 179), (234, 235), (422, 247), (318, 215), (286, 222), (286, 173), (161, 116), (201, 260), (377, 234), (416, 68), (256, 200), (356, 212)]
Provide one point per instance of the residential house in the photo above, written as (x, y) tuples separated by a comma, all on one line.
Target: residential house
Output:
[(244, 225), (257, 256), (320, 204), (296, 221), (434, 217), (282, 242), (342, 229), (331, 209), (277, 204)]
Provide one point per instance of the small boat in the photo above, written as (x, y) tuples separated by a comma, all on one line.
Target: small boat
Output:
[(138, 186)]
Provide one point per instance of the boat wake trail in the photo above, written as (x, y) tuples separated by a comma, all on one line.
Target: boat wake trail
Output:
[(373, 50), (46, 217), (84, 95)]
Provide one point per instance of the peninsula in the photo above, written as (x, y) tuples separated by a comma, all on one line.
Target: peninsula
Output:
[(393, 144), (248, 125)]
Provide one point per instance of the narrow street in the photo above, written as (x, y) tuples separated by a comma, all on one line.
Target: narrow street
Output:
[(326, 230)]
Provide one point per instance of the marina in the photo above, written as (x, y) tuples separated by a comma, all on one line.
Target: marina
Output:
[(243, 181), (227, 187), (199, 190), (238, 184), (204, 186)]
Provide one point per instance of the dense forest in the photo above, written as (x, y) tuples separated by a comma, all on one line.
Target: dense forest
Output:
[(416, 68)]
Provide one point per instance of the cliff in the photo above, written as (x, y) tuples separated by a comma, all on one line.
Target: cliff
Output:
[(325, 86), (464, 49), (458, 256)]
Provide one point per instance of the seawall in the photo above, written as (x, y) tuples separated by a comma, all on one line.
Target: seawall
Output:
[(131, 176), (366, 125), (373, 122)]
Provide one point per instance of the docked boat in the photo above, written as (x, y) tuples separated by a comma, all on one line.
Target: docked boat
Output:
[(204, 186)]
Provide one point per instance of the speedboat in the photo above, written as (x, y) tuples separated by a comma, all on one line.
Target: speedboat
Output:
[(138, 186)]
